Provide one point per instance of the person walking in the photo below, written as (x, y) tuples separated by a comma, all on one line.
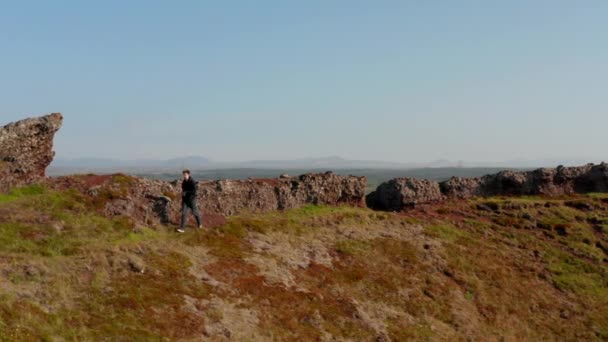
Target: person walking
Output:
[(189, 201)]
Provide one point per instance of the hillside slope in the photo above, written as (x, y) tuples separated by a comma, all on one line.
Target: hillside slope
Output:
[(521, 268)]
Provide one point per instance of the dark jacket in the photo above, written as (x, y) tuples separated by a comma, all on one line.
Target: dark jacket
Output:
[(189, 190)]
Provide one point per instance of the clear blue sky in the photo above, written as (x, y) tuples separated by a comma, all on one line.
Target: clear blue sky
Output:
[(238, 80)]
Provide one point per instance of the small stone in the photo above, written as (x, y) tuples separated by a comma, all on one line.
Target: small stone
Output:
[(138, 230), (58, 226), (136, 264), (31, 271)]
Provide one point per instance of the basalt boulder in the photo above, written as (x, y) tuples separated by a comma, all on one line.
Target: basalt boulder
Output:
[(401, 193)]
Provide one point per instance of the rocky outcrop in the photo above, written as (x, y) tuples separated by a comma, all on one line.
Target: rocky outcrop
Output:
[(230, 197), (544, 181), (26, 149), (153, 201), (401, 193)]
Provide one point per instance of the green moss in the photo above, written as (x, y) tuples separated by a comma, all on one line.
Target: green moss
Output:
[(150, 310), (339, 214), (599, 195), (221, 244), (352, 247), (411, 332), (43, 240), (122, 179), (94, 294), (36, 240), (32, 322), (573, 274), (239, 226), (396, 251), (22, 192), (313, 210), (445, 232), (108, 193), (443, 211), (507, 221), (141, 235), (48, 201), (410, 220)]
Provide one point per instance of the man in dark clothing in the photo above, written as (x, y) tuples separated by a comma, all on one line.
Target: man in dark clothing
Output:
[(189, 201)]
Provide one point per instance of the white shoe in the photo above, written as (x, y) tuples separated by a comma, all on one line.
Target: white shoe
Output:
[(180, 230)]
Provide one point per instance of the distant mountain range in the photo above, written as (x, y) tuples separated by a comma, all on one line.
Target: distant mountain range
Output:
[(63, 165), (77, 165), (103, 163)]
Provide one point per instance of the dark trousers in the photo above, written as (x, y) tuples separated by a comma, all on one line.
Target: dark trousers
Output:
[(192, 206)]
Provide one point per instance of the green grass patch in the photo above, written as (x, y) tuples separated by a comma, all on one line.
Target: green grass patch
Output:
[(411, 332), (396, 251), (599, 195), (80, 232), (579, 276), (22, 320), (122, 179), (145, 306), (77, 262), (313, 210), (43, 240), (352, 247), (45, 200), (22, 192), (445, 232)]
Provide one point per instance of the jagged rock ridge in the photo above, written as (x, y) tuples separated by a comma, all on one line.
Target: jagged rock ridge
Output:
[(401, 193), (157, 202), (26, 149)]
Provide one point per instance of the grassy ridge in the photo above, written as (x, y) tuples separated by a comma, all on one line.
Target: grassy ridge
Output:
[(513, 268)]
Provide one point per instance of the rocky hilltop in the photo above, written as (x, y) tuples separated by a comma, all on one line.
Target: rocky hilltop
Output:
[(158, 202), (401, 193), (26, 149), (82, 257)]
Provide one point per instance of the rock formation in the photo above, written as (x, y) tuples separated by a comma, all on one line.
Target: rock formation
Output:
[(154, 201), (230, 197), (401, 193), (26, 149)]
